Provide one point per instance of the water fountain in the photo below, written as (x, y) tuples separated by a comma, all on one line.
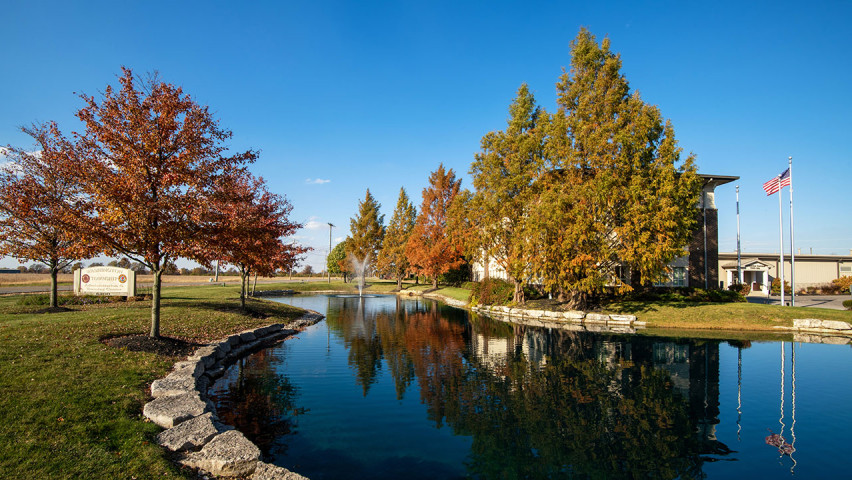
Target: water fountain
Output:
[(360, 267)]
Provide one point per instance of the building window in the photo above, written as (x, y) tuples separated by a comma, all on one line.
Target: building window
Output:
[(679, 276), (676, 278)]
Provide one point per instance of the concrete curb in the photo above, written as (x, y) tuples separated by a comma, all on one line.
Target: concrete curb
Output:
[(193, 430)]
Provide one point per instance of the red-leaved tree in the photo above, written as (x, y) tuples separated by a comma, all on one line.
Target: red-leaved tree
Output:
[(34, 192), (430, 250), (246, 226), (149, 161)]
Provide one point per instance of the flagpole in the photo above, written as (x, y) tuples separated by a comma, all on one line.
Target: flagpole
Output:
[(739, 261), (792, 239), (781, 237)]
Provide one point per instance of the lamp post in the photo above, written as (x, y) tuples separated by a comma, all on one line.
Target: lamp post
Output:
[(327, 266)]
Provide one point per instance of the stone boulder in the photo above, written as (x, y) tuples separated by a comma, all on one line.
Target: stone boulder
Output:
[(836, 325), (266, 471), (172, 410), (189, 435), (174, 384), (597, 317), (229, 454)]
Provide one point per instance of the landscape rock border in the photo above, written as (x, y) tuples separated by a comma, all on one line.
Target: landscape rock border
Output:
[(812, 330), (567, 320), (193, 430)]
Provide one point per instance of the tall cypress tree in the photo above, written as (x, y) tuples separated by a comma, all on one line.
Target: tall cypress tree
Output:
[(618, 196), (503, 175), (392, 258), (430, 250)]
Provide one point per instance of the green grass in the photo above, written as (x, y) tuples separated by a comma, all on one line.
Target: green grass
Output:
[(726, 316), (70, 406)]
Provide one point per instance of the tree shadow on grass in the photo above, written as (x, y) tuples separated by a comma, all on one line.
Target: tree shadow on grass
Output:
[(645, 307)]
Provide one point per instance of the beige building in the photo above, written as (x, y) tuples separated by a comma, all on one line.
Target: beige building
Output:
[(759, 269)]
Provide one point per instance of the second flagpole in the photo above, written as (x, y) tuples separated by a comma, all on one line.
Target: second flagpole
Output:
[(792, 239), (781, 238)]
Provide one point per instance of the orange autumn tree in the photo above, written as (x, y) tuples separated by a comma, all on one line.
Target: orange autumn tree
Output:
[(33, 193), (430, 250), (149, 160), (247, 224)]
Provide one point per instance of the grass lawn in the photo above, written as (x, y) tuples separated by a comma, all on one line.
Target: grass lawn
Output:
[(726, 316), (71, 406)]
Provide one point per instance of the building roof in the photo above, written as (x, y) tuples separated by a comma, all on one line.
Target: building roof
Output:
[(714, 181), (744, 262), (773, 257)]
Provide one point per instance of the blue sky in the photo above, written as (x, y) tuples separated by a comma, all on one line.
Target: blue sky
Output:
[(375, 95)]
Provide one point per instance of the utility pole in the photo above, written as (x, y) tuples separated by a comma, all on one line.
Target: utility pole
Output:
[(327, 267)]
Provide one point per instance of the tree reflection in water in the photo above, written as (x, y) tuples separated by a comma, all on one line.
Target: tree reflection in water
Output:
[(257, 401), (537, 403)]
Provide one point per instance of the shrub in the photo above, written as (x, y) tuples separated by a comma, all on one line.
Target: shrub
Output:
[(775, 288), (847, 304), (492, 291), (456, 277), (843, 283), (742, 288)]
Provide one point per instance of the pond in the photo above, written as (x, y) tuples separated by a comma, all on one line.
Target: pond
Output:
[(387, 387)]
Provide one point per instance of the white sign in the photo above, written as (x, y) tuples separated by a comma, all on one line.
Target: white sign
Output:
[(112, 281)]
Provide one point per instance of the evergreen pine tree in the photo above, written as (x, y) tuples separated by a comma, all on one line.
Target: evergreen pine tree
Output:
[(367, 231), (392, 258)]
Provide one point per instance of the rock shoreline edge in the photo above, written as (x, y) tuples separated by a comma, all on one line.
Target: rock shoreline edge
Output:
[(192, 428)]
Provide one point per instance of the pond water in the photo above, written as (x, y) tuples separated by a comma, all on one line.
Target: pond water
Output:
[(387, 387)]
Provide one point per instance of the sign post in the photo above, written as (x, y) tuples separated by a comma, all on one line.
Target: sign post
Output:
[(105, 281)]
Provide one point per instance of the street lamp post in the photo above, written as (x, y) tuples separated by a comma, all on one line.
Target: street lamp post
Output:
[(327, 266)]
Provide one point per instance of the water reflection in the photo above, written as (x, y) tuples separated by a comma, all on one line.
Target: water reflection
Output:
[(257, 403), (533, 402)]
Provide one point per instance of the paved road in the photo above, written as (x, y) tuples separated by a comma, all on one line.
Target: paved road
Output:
[(834, 302)]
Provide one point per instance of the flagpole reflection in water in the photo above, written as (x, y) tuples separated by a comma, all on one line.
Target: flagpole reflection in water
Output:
[(777, 439), (783, 377), (739, 392), (793, 426)]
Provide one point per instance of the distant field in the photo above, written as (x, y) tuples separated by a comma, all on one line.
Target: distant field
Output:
[(16, 279), (8, 279)]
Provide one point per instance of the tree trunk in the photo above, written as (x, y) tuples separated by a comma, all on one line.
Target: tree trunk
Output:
[(155, 303), (54, 270), (577, 300), (243, 279), (435, 282), (399, 282), (518, 296)]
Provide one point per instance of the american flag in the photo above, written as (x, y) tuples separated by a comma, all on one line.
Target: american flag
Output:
[(774, 185)]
